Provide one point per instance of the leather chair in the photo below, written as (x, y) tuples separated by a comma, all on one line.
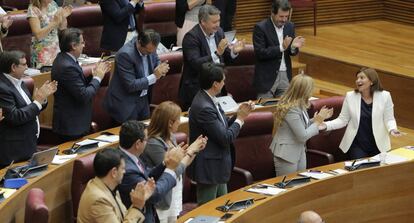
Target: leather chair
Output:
[(239, 77), (166, 88), (19, 36), (36, 210), (82, 172), (160, 16), (89, 19), (305, 4), (327, 142), (14, 4)]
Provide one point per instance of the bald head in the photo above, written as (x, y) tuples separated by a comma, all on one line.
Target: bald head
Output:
[(309, 217)]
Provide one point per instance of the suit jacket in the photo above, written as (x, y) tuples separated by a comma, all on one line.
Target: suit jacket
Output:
[(268, 55), (116, 14), (127, 83), (214, 164), (18, 129), (196, 52), (383, 120), (290, 139), (97, 204), (72, 111), (133, 175)]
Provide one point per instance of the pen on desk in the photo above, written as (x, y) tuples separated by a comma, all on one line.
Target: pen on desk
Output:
[(227, 203), (258, 199), (284, 178), (353, 163), (100, 140), (102, 55), (314, 171)]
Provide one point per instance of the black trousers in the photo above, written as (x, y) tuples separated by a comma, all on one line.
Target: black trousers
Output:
[(228, 10)]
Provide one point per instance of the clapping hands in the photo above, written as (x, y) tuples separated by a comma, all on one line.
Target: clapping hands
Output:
[(48, 88), (142, 192), (322, 115)]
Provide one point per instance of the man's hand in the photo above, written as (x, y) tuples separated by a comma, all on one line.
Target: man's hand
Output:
[(161, 70), (137, 195), (238, 46), (101, 69), (48, 88), (198, 145), (1, 114), (245, 109), (66, 11), (223, 44), (286, 42), (173, 157), (298, 42), (5, 22)]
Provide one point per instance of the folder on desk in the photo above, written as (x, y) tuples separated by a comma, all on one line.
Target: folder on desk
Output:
[(205, 219)]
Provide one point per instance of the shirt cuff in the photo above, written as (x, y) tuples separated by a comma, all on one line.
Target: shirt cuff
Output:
[(233, 55), (151, 79), (97, 78), (172, 172), (133, 4), (240, 122), (38, 105), (281, 48), (292, 49), (215, 57)]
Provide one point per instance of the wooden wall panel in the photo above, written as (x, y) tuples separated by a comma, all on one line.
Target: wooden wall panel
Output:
[(399, 11)]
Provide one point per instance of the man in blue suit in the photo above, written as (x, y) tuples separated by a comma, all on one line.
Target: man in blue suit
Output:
[(212, 167), (137, 67), (118, 21), (72, 111), (132, 141), (274, 42)]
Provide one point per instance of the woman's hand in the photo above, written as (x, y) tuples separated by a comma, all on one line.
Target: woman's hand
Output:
[(397, 133), (323, 114)]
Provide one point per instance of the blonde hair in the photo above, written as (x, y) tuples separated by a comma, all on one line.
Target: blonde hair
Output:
[(161, 117), (297, 95)]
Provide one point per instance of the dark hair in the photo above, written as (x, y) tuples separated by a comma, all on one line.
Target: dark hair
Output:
[(130, 132), (149, 36), (105, 160), (284, 5), (206, 11), (210, 73), (67, 37), (372, 75), (8, 58)]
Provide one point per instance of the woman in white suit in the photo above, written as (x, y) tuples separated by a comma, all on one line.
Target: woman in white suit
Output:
[(292, 126), (369, 113)]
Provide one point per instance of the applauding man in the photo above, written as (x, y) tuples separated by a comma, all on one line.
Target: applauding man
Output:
[(204, 43), (137, 67), (72, 112), (20, 128), (274, 42)]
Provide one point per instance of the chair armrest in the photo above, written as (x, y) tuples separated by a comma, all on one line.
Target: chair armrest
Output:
[(318, 158), (239, 178)]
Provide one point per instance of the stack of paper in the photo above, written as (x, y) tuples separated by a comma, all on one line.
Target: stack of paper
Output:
[(107, 138), (59, 159), (390, 158), (405, 152), (7, 192), (318, 175), (265, 189)]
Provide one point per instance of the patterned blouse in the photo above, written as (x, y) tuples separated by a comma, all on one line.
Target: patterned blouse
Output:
[(44, 51)]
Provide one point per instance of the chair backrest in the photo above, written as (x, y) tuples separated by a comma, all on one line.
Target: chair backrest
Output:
[(36, 210), (82, 172), (17, 4), (160, 17), (19, 36), (329, 141), (166, 88), (252, 146), (239, 77)]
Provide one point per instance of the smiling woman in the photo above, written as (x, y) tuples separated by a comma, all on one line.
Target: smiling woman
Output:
[(368, 112)]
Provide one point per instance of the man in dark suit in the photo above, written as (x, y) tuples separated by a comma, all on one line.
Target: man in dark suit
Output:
[(137, 67), (274, 42), (72, 111), (20, 128), (132, 141), (212, 167), (204, 43), (118, 21), (228, 9)]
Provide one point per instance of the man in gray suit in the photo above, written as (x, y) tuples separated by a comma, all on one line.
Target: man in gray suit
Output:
[(212, 168), (137, 67)]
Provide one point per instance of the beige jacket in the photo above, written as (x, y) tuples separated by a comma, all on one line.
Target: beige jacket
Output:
[(97, 205)]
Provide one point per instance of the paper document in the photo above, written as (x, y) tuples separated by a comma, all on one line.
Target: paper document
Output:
[(403, 152), (230, 35), (316, 175), (2, 12), (87, 142), (390, 158), (32, 72), (228, 104), (7, 192), (59, 159), (107, 138), (265, 189)]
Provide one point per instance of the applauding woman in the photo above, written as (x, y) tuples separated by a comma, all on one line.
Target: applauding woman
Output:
[(293, 127), (45, 19), (369, 113), (164, 123)]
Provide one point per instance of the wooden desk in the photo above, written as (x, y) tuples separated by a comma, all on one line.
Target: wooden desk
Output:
[(380, 194)]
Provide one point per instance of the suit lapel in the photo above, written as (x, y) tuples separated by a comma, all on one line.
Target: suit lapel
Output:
[(20, 100), (210, 100), (204, 44), (272, 32)]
